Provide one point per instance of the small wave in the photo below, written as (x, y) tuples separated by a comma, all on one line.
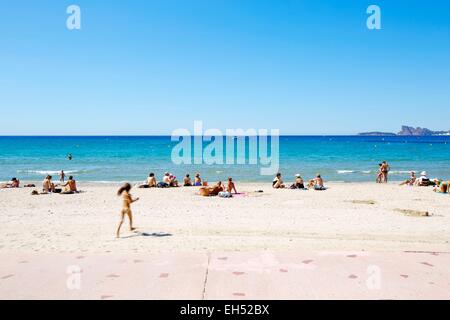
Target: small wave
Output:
[(51, 172), (401, 171), (345, 171), (354, 171)]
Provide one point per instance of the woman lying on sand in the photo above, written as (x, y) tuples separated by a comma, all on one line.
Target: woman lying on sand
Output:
[(124, 191), (316, 183), (277, 183), (411, 180), (211, 191), (14, 183)]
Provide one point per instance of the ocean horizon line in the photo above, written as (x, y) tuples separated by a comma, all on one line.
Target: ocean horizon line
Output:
[(168, 136)]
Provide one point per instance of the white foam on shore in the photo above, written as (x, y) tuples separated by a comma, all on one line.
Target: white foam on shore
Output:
[(43, 172)]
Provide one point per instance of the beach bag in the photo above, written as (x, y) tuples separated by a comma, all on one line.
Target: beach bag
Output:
[(225, 194)]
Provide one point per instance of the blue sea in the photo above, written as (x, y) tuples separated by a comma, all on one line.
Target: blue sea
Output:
[(119, 158)]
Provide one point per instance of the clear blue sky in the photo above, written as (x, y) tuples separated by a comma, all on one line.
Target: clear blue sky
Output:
[(150, 66)]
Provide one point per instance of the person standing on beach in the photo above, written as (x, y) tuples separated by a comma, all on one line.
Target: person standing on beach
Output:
[(379, 173), (62, 175), (384, 171), (124, 191)]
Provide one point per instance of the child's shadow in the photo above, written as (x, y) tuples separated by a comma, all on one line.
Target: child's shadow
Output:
[(146, 234)]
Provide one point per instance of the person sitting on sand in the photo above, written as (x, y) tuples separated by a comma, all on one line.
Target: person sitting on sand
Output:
[(231, 186), (70, 186), (124, 191), (151, 180), (15, 183), (47, 185), (411, 180), (277, 182), (173, 182), (316, 183), (166, 178), (423, 180), (298, 183), (187, 181), (197, 180)]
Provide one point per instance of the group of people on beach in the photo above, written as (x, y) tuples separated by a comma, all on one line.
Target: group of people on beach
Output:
[(169, 180), (424, 181), (316, 183), (64, 187), (383, 172)]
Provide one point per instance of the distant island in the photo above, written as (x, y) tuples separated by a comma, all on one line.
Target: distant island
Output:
[(408, 131)]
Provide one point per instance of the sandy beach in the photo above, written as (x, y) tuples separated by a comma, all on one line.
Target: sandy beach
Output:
[(259, 234), (346, 216)]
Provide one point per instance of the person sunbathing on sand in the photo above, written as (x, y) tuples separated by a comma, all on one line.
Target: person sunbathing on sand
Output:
[(124, 191), (47, 185), (173, 182), (231, 185), (187, 181), (14, 183), (316, 183), (151, 180), (411, 180), (70, 186), (298, 183), (423, 180), (277, 183), (197, 180), (442, 187), (211, 191)]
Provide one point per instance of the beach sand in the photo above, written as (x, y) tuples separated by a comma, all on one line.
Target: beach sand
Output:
[(360, 219), (346, 216)]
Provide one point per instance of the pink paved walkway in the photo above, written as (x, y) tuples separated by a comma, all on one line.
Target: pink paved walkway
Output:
[(299, 275)]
